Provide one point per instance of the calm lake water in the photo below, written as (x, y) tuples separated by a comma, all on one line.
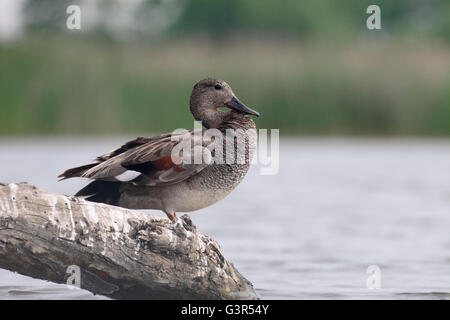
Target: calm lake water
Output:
[(335, 207)]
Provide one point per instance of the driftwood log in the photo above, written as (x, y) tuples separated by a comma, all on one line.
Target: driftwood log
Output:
[(120, 253)]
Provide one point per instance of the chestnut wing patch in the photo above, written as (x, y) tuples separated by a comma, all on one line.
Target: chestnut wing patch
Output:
[(162, 171), (166, 163)]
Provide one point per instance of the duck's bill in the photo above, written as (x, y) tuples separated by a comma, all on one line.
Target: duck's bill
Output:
[(237, 105)]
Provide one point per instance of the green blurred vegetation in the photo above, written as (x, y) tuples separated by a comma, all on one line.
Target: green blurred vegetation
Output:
[(309, 67), (312, 19), (299, 19), (60, 85)]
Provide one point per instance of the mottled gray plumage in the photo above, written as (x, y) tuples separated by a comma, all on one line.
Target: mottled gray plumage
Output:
[(161, 181)]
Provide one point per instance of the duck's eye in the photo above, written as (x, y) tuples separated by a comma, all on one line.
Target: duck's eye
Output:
[(218, 87)]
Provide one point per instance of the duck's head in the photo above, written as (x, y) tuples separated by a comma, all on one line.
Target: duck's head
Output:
[(208, 98)]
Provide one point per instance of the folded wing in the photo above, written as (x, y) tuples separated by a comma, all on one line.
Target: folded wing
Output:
[(144, 161)]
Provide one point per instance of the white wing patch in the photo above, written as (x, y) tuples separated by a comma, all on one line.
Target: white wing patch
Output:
[(128, 176)]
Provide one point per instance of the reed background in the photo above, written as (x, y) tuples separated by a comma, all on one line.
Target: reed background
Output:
[(309, 67)]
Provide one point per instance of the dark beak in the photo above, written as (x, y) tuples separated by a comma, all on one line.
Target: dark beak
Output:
[(237, 105)]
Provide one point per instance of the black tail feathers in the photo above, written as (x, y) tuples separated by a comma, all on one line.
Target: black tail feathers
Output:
[(101, 191)]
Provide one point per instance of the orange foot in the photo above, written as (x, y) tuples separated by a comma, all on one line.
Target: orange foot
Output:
[(172, 217)]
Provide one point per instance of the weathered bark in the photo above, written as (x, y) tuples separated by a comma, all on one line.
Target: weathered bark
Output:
[(121, 253)]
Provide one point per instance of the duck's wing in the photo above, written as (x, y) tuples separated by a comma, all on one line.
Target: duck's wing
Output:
[(139, 141), (79, 171), (155, 162)]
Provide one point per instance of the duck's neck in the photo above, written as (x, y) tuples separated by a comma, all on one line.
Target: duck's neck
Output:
[(213, 118), (210, 118), (235, 120)]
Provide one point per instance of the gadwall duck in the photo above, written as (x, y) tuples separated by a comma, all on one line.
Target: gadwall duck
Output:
[(142, 173)]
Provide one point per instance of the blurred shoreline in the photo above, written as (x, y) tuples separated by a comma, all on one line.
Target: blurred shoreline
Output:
[(63, 85)]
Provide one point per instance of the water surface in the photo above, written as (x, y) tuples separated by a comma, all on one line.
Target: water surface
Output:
[(310, 232)]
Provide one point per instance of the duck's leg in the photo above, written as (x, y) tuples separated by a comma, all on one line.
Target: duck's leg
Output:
[(172, 216)]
